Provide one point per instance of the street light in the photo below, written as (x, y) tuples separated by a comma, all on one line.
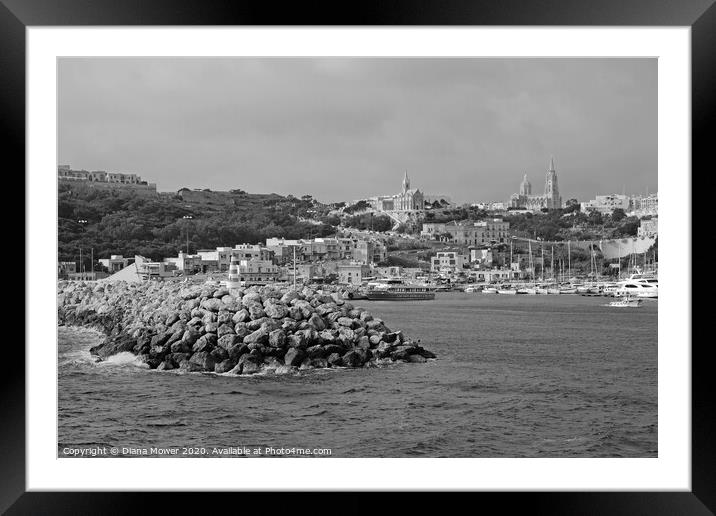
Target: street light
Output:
[(187, 217), (82, 223)]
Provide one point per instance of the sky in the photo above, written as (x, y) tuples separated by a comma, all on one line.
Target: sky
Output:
[(342, 129)]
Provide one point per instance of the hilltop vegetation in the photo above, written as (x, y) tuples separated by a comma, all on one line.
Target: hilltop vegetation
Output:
[(119, 222)]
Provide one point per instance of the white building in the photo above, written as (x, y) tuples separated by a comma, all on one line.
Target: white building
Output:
[(447, 262), (606, 204)]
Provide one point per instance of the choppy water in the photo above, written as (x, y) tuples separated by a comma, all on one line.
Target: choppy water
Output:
[(516, 376)]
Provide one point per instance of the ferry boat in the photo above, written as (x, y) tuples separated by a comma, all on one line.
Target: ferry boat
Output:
[(395, 289)]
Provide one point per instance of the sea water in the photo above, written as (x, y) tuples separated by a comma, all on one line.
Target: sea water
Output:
[(516, 376)]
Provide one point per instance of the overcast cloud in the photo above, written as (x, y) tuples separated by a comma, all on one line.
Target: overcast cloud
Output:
[(342, 129)]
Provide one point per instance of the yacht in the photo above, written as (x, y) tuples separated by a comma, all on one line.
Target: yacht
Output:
[(395, 289), (637, 288)]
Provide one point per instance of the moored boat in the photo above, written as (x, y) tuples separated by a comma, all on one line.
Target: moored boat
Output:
[(398, 290), (626, 302)]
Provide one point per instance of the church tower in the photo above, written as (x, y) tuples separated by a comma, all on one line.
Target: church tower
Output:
[(525, 187), (406, 182), (551, 188)]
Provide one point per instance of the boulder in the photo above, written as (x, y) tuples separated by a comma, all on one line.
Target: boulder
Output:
[(248, 364), (256, 311), (259, 336), (237, 350), (206, 342), (363, 343), (225, 329), (326, 308), (275, 311), (180, 346), (212, 304), (204, 360), (354, 358), (335, 360), (345, 321), (277, 339), (241, 316), (228, 340), (166, 365), (224, 366), (211, 327), (417, 358), (294, 357), (297, 340), (316, 351), (224, 317), (221, 293), (191, 335), (319, 363), (316, 322)]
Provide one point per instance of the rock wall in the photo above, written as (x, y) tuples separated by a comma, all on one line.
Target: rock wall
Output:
[(208, 327)]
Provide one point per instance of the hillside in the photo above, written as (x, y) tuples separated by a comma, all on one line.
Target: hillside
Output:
[(119, 222)]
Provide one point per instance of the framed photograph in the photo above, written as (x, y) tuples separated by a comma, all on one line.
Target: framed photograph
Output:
[(412, 249)]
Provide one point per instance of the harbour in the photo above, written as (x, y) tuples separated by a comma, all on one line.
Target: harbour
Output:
[(516, 376)]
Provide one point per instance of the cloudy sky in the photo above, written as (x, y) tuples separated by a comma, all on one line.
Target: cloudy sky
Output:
[(342, 129)]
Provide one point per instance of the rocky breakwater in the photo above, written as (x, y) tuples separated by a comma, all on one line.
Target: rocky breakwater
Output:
[(170, 325)]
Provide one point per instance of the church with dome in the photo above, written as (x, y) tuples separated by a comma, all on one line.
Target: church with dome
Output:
[(551, 199)]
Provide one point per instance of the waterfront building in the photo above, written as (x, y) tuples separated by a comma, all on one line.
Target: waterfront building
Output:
[(550, 200), (447, 262), (186, 263), (257, 272), (369, 252), (496, 275), (352, 273), (154, 271), (360, 248), (468, 233), (114, 263)]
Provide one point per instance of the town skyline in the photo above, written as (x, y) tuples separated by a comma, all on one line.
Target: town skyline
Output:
[(307, 126)]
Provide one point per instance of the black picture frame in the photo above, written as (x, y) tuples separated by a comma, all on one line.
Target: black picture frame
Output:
[(16, 15)]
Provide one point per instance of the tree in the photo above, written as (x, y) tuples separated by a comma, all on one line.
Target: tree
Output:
[(618, 214)]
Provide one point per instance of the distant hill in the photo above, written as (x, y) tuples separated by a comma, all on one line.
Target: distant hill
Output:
[(119, 222)]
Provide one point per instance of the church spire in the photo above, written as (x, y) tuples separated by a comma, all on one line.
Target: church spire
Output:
[(551, 164), (406, 182)]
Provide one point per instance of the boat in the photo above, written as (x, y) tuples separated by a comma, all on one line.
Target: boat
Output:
[(508, 291), (637, 289), (489, 290), (528, 291), (626, 301), (396, 289), (554, 291)]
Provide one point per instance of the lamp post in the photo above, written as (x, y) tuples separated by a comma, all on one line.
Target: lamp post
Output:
[(187, 217), (82, 223)]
